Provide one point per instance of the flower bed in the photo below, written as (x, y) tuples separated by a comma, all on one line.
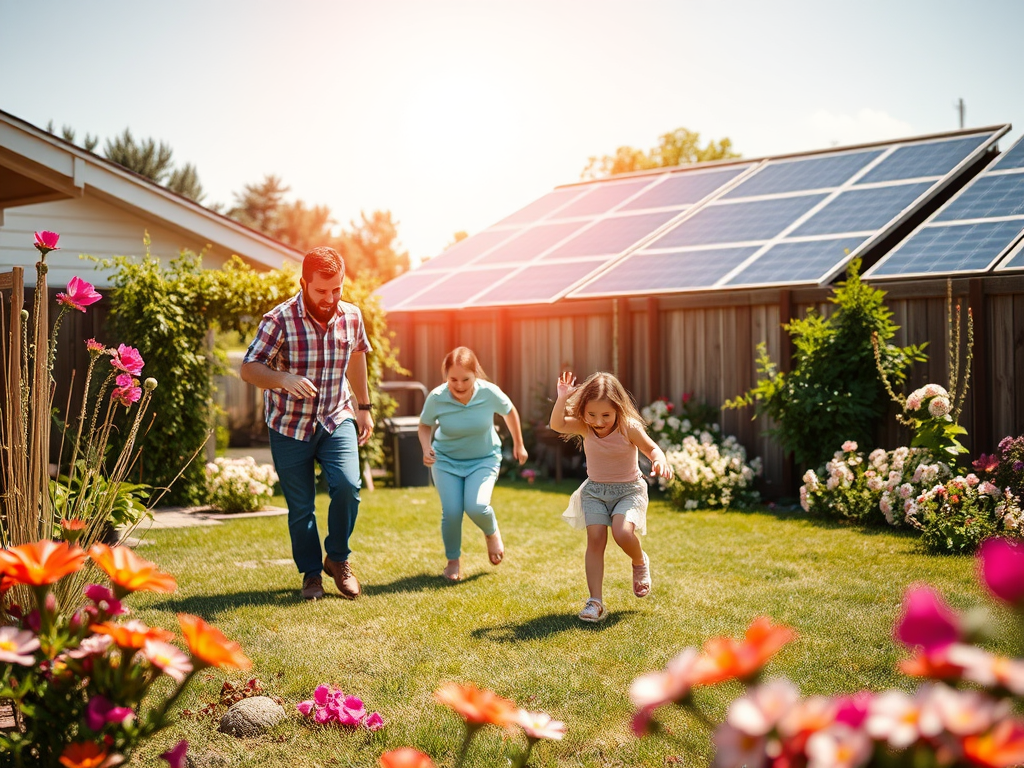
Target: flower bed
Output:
[(239, 485)]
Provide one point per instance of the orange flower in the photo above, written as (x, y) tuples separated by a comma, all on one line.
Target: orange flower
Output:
[(477, 706), (405, 757), (725, 658), (209, 646), (133, 634), (41, 563), (87, 754), (1001, 747), (129, 571), (72, 528), (935, 666)]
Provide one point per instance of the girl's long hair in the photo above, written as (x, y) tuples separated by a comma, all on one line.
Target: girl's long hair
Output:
[(603, 386), (464, 357)]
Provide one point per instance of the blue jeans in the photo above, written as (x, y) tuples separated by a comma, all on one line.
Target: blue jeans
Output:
[(338, 456), (472, 495)]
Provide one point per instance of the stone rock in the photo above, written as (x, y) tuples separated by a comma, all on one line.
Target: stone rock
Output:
[(253, 716)]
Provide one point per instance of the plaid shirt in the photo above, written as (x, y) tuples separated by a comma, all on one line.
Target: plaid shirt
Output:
[(289, 340)]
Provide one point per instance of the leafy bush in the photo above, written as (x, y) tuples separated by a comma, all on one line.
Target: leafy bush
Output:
[(239, 485), (928, 413), (833, 388), (956, 516), (708, 470)]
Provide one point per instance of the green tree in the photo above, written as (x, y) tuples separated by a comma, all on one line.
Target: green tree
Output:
[(834, 392), (185, 181), (678, 147), (256, 206), (145, 157)]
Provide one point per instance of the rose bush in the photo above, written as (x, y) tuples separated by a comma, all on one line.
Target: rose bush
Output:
[(239, 485)]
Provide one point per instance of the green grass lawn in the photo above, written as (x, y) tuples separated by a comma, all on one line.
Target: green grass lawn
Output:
[(513, 628)]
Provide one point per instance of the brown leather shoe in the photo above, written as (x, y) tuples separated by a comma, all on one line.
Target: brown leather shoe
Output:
[(345, 580), (312, 588)]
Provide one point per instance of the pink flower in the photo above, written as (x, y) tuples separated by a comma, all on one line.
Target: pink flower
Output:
[(17, 646), (850, 446), (374, 722), (538, 725), (176, 755), (91, 646), (1001, 564), (101, 711), (964, 713), (734, 748), (988, 669), (529, 475), (128, 359), (853, 709), (650, 691), (126, 395), (305, 707), (758, 712), (926, 620), (985, 463), (896, 718), (169, 659), (94, 347), (104, 599), (79, 296), (838, 746), (46, 241)]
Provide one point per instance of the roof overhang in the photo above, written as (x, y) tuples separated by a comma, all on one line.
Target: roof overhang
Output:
[(37, 167)]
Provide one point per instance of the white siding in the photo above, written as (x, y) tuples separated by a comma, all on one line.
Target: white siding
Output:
[(90, 226)]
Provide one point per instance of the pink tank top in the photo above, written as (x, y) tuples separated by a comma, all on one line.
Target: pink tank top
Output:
[(611, 459)]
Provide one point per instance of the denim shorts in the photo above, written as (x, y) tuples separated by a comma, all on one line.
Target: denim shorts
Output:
[(602, 500)]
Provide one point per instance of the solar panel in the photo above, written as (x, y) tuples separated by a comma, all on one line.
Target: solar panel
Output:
[(738, 222), (466, 250), (538, 209), (862, 210), (953, 248), (683, 189), (601, 198), (402, 287), (802, 174), (530, 243), (807, 261), (611, 236), (537, 283), (917, 161), (989, 197), (1015, 259), (457, 288), (1012, 158), (673, 272)]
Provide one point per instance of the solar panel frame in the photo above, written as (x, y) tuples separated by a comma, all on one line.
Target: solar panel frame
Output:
[(434, 296), (495, 296), (1014, 254), (766, 182), (880, 175), (849, 244), (1012, 158), (1008, 231), (878, 271)]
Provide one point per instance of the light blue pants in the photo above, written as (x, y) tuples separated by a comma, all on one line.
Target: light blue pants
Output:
[(470, 494)]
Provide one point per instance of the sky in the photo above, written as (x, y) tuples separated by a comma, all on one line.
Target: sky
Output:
[(452, 115)]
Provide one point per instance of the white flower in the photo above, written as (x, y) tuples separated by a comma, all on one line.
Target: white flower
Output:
[(939, 407), (850, 446), (933, 390), (838, 746)]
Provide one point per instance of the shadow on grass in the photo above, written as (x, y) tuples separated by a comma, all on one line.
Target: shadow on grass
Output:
[(421, 582), (545, 626), (208, 606)]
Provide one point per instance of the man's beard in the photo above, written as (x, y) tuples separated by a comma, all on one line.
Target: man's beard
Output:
[(322, 314)]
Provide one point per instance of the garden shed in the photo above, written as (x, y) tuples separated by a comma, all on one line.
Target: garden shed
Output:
[(671, 277)]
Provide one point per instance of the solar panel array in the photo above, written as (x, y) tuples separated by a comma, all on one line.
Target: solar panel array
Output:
[(792, 220), (972, 232)]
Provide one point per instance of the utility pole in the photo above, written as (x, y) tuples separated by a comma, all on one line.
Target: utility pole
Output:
[(960, 109)]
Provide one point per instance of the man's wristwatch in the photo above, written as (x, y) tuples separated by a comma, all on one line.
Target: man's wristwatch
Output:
[(365, 407)]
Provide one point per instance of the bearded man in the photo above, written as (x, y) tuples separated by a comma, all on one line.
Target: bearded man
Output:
[(304, 349)]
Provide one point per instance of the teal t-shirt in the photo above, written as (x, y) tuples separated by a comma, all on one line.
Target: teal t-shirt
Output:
[(466, 433)]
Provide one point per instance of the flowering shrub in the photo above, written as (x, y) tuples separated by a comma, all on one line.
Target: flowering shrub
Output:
[(871, 489), (963, 715), (928, 411), (239, 485), (708, 470), (80, 681), (331, 705), (956, 516), (1005, 467)]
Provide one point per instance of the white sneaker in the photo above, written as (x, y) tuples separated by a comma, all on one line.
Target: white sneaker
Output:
[(593, 611)]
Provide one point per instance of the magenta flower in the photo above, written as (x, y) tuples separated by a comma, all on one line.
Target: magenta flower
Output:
[(128, 359), (926, 620), (1001, 564), (330, 705), (104, 599), (374, 722), (79, 296), (95, 347), (17, 646), (853, 708), (305, 707), (126, 395), (101, 711), (176, 755), (46, 241)]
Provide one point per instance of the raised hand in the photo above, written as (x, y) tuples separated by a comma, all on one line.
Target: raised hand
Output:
[(661, 468), (566, 384)]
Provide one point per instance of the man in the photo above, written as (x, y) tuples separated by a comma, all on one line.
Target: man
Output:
[(302, 352)]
